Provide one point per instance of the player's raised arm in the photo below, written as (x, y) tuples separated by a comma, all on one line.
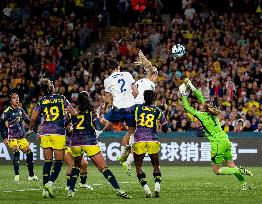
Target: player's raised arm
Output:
[(198, 94), (187, 106)]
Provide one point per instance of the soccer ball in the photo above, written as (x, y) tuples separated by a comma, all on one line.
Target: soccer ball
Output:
[(178, 51)]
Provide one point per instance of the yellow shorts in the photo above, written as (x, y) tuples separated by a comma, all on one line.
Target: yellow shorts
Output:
[(21, 143), (57, 142), (150, 147), (90, 150)]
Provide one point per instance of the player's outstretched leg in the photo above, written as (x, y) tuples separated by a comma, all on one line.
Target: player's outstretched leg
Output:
[(125, 147), (245, 171), (232, 171), (127, 164), (83, 175), (130, 159), (30, 165), (16, 158), (112, 180), (100, 163)]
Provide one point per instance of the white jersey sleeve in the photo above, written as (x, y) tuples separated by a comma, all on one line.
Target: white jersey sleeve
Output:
[(119, 85), (142, 85)]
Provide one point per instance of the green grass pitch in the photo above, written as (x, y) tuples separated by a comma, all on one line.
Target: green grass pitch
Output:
[(179, 185)]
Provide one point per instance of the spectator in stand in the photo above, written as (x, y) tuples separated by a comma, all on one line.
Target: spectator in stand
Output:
[(223, 55), (227, 127)]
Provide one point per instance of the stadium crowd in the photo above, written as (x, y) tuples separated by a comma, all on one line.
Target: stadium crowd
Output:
[(223, 58)]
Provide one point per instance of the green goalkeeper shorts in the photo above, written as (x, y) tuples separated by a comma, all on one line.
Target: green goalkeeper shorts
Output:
[(221, 151)]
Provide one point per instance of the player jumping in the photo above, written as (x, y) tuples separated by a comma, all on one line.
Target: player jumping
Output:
[(120, 89), (147, 83), (220, 144)]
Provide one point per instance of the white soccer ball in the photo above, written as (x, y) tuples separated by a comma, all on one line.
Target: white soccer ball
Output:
[(178, 51)]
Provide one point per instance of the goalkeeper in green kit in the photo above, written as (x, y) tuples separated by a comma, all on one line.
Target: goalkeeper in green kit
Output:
[(220, 144)]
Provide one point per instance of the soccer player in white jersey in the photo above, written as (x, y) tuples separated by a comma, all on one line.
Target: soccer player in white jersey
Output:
[(120, 90), (147, 83)]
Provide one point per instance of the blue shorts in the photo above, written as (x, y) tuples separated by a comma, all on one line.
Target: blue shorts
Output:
[(116, 115)]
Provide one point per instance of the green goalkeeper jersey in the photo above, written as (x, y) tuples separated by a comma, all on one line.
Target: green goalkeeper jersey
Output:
[(210, 123)]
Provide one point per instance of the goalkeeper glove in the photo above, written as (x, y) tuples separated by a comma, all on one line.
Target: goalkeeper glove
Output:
[(189, 84), (182, 89)]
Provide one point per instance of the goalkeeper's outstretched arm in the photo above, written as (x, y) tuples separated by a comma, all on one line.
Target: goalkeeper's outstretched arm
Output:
[(188, 107), (194, 89), (199, 96)]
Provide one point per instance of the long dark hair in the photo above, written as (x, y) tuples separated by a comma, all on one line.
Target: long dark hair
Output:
[(84, 102), (46, 86), (149, 97), (112, 63)]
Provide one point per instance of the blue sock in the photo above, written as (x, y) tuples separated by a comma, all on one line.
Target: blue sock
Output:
[(111, 178), (83, 178), (46, 170), (30, 162), (142, 179), (68, 179), (56, 170), (16, 161), (74, 174), (157, 177)]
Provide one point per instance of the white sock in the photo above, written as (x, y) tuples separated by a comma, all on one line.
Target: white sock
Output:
[(50, 183), (123, 150), (130, 159), (147, 189), (157, 186)]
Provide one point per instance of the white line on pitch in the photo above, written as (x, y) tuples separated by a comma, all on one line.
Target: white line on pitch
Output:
[(248, 151), (37, 189)]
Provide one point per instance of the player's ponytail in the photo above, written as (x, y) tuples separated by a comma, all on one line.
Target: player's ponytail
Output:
[(148, 67), (84, 102), (149, 97), (46, 86)]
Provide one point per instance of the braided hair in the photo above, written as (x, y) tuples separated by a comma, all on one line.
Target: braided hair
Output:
[(148, 67)]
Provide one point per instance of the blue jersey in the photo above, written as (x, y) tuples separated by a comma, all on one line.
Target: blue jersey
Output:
[(12, 123), (147, 120), (53, 109), (84, 128)]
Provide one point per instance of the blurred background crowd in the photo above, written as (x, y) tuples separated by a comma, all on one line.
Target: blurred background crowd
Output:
[(65, 41)]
